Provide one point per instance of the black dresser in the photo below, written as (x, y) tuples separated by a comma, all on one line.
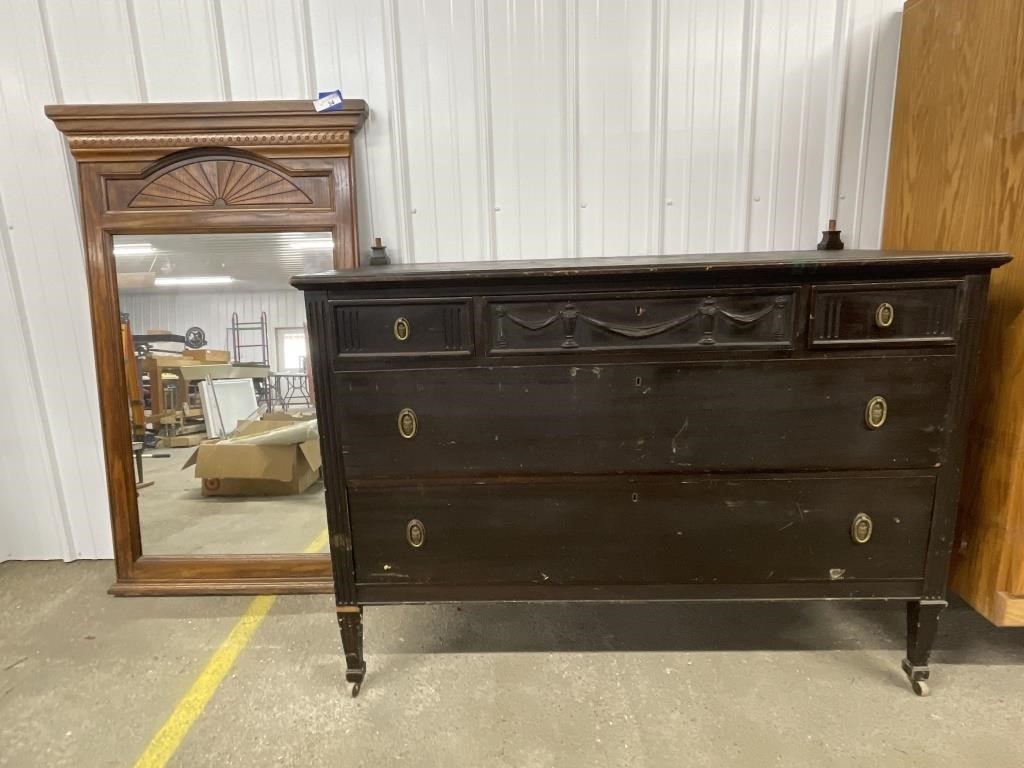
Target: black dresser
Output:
[(749, 426)]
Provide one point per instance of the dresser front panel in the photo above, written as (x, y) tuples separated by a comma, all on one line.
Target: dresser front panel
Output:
[(754, 319), (589, 419), (642, 531)]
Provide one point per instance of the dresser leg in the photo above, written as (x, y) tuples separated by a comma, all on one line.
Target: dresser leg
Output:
[(350, 622), (922, 624)]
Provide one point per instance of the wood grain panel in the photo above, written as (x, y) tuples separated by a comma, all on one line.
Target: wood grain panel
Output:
[(956, 180)]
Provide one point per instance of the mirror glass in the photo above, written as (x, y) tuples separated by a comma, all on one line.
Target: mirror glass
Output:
[(214, 345)]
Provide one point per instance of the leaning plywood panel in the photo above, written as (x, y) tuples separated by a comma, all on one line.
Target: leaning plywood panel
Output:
[(956, 180)]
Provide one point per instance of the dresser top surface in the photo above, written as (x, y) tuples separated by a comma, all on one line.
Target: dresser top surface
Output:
[(782, 263)]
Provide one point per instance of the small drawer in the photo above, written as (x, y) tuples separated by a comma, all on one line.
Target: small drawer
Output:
[(906, 315), (683, 320), (402, 328), (640, 530)]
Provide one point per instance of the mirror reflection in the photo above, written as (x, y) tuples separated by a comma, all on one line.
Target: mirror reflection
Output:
[(224, 438)]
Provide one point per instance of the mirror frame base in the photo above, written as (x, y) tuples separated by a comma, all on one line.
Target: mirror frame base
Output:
[(182, 587)]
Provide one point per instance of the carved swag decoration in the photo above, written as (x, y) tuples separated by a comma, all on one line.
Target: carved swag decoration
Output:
[(708, 310)]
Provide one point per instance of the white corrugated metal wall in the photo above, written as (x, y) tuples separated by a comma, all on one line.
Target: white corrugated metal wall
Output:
[(499, 129)]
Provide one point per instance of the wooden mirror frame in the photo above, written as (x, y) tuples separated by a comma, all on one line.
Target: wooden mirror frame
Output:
[(119, 151)]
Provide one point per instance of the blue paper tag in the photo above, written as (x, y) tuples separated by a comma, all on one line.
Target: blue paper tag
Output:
[(329, 101)]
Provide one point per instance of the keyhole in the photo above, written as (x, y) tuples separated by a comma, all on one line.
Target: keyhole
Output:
[(635, 497), (639, 381), (639, 311)]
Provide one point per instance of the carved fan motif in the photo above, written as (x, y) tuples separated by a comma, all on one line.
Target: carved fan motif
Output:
[(219, 184)]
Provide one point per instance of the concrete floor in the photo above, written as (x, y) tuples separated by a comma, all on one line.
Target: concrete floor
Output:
[(87, 679), (176, 519)]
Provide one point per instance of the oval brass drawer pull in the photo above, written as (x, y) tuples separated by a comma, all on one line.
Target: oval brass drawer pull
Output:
[(407, 423), (884, 315), (415, 533), (876, 412), (861, 528), (402, 329)]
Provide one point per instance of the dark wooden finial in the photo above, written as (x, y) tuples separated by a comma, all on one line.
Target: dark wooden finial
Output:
[(830, 240), (378, 253)]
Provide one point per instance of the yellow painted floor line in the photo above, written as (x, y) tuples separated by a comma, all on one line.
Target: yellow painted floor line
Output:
[(167, 740), (318, 544)]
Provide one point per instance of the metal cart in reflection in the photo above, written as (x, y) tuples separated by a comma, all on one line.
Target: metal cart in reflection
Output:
[(289, 391)]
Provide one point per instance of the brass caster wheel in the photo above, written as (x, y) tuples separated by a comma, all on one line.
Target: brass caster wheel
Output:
[(357, 686), (920, 687)]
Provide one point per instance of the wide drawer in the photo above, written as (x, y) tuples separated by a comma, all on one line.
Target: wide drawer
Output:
[(644, 531), (884, 315), (402, 328), (741, 318), (557, 419)]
